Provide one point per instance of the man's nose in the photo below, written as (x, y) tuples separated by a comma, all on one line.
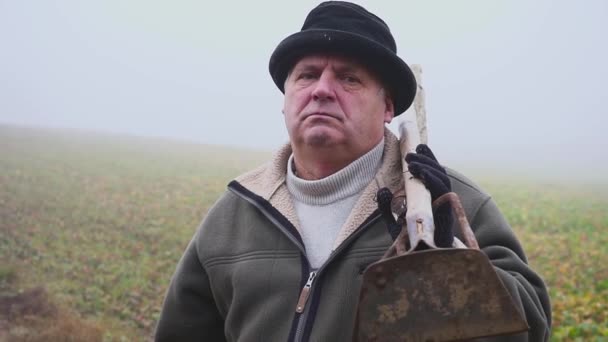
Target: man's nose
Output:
[(324, 88)]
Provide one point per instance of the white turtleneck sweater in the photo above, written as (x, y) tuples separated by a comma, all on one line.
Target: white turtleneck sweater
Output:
[(324, 205)]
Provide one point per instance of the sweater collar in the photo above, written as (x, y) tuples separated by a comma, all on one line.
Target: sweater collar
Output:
[(347, 182)]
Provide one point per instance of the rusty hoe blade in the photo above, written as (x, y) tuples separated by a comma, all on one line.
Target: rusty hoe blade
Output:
[(449, 294)]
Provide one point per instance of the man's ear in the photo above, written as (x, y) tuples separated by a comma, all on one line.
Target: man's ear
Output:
[(389, 109)]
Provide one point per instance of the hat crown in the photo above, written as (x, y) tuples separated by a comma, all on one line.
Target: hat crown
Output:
[(352, 18)]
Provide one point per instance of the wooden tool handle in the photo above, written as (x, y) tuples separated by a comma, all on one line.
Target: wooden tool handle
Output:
[(419, 217)]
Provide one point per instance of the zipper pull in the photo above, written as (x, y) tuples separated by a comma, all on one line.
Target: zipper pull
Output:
[(305, 292)]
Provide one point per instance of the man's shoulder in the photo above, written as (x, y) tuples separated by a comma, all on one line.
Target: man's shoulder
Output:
[(264, 179), (465, 187), (254, 175)]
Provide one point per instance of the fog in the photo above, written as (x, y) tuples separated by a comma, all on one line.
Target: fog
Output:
[(512, 85)]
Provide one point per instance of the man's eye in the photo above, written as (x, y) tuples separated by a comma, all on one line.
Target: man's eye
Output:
[(306, 76), (350, 79)]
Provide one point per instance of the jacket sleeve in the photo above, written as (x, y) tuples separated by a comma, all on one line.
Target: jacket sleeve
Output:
[(497, 240), (189, 312)]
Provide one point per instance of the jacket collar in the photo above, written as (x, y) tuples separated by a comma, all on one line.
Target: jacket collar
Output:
[(268, 182)]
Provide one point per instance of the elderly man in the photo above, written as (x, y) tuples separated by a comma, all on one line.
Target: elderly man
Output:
[(279, 257)]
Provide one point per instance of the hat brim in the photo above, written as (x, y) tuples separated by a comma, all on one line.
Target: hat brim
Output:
[(391, 69)]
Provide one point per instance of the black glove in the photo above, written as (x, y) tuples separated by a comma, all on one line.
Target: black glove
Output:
[(385, 198), (424, 166)]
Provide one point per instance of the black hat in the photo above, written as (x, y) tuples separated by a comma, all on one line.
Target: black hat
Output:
[(348, 29)]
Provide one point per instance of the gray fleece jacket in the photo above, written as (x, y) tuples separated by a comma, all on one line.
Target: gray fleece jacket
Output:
[(245, 276)]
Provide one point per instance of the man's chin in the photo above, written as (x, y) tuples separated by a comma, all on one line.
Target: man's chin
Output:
[(322, 139)]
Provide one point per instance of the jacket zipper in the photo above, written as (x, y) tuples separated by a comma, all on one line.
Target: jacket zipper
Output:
[(301, 306), (307, 292), (304, 294)]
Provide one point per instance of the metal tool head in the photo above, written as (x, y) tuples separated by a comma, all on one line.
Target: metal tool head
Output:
[(435, 295)]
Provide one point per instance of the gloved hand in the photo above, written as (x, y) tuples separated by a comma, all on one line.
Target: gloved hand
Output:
[(384, 197), (424, 166)]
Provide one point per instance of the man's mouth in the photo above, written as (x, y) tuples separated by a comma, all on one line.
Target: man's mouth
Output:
[(321, 115)]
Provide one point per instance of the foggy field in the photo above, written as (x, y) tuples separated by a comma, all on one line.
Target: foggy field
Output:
[(92, 226)]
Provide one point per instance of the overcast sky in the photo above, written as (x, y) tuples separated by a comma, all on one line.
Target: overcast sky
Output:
[(507, 81)]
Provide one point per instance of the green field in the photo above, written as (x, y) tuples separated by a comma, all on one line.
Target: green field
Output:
[(93, 225)]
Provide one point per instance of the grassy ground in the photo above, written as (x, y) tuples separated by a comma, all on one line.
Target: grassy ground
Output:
[(564, 230), (97, 223)]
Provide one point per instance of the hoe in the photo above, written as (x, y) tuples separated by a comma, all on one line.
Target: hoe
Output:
[(430, 293)]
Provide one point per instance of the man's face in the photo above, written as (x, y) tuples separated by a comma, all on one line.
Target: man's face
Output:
[(334, 101)]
